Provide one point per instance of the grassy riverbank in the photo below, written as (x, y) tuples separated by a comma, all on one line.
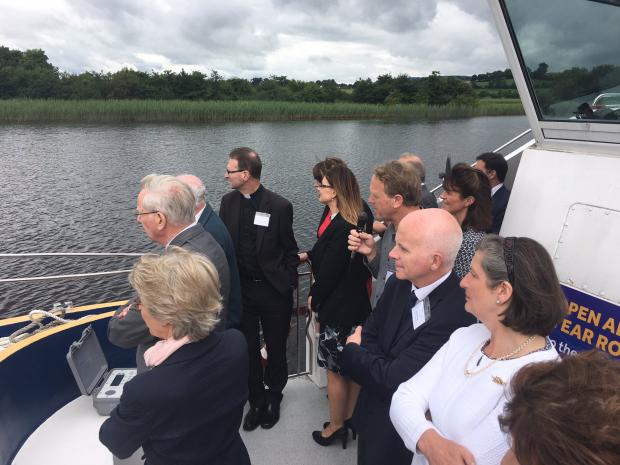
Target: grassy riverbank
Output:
[(184, 111)]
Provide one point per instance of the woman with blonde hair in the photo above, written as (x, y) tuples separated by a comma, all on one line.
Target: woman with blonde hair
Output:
[(339, 294), (187, 408)]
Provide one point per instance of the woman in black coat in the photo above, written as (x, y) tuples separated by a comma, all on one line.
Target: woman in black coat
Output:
[(187, 408), (339, 294)]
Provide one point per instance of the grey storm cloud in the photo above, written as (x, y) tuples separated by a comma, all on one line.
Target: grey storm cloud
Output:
[(252, 38), (337, 18), (320, 59)]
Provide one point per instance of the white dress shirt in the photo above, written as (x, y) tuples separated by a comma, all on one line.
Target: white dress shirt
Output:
[(464, 409), (421, 311)]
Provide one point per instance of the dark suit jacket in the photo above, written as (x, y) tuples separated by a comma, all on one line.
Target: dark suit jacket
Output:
[(499, 203), (339, 293), (428, 198), (188, 409), (392, 352), (131, 331), (276, 248), (214, 225)]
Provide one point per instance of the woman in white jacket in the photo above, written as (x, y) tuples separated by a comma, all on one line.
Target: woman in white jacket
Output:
[(447, 414)]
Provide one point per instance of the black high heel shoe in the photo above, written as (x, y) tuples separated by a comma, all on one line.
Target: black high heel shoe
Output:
[(347, 424), (342, 433)]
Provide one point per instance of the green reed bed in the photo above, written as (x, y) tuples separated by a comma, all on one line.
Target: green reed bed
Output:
[(183, 111)]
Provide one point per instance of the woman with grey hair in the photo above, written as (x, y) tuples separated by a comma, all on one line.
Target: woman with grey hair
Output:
[(187, 408), (512, 288)]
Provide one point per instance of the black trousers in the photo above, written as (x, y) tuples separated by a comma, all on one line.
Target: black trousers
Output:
[(263, 305)]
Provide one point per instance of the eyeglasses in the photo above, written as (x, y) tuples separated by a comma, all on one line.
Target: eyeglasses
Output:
[(322, 186), (137, 213), (234, 171)]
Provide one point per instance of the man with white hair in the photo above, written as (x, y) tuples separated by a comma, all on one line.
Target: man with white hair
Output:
[(211, 222), (421, 306), (165, 209)]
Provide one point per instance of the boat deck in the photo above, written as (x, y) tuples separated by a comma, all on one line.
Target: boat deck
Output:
[(70, 436)]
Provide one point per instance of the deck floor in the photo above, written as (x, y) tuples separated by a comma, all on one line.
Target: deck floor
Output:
[(303, 409), (70, 436)]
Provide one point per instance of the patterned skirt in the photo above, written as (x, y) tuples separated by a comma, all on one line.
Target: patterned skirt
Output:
[(331, 343)]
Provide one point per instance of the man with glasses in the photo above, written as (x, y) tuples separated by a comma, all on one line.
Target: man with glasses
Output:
[(165, 209), (260, 223)]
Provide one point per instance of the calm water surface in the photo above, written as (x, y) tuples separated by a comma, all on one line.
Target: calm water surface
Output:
[(73, 188)]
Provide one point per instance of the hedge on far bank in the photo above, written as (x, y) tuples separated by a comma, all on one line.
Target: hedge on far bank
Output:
[(185, 111)]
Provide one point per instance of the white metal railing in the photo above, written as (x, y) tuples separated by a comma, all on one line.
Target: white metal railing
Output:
[(65, 254), (301, 311), (514, 139)]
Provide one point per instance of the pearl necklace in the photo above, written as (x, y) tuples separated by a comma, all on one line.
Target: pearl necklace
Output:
[(521, 346)]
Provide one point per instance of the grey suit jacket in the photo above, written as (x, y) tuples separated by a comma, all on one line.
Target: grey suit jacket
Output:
[(131, 331), (378, 266)]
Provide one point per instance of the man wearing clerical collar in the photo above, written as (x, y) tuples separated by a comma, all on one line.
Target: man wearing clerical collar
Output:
[(260, 223)]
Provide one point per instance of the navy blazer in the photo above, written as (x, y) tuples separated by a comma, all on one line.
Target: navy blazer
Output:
[(214, 226), (276, 248), (188, 409), (392, 351), (499, 203), (339, 292)]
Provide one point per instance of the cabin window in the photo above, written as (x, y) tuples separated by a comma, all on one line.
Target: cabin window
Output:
[(571, 57)]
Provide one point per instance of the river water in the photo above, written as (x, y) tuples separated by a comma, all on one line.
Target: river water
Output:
[(72, 188)]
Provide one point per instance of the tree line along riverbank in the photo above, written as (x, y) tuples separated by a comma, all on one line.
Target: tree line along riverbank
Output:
[(16, 111)]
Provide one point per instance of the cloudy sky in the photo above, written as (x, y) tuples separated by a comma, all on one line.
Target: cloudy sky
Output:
[(303, 39)]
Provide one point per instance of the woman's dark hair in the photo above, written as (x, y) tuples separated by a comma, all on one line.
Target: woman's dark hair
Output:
[(470, 182), (566, 412), (537, 304), (343, 181), (321, 168)]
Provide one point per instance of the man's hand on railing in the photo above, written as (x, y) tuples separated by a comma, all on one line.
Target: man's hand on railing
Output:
[(363, 243)]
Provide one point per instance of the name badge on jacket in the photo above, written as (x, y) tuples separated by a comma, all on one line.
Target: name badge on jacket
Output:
[(262, 219)]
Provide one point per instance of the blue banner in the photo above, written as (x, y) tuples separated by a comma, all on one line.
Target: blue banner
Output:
[(591, 323)]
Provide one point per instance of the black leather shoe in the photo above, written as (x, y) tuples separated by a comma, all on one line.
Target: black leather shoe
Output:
[(271, 414), (253, 418)]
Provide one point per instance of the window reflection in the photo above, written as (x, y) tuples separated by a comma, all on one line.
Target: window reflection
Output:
[(570, 50)]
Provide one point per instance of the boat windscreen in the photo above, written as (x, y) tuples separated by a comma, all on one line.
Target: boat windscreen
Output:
[(569, 52)]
